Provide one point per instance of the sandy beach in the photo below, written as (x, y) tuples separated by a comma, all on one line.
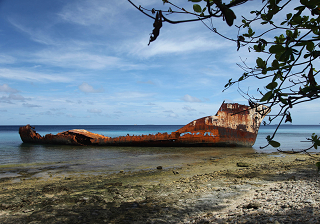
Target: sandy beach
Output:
[(251, 188)]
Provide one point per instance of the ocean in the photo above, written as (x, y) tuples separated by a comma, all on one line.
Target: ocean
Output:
[(113, 159)]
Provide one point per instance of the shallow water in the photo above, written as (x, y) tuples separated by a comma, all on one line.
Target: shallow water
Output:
[(113, 159)]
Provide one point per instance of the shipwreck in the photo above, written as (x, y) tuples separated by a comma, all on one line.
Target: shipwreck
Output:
[(233, 125)]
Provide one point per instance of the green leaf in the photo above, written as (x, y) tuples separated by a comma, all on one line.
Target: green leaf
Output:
[(316, 54), (300, 8), (310, 46), (306, 55), (280, 39), (289, 33), (289, 15), (260, 63), (304, 2), (272, 85), (267, 96), (197, 8), (264, 71), (274, 144), (194, 0), (229, 16), (278, 48), (228, 84), (285, 55), (296, 33), (275, 64), (241, 78), (256, 48), (283, 100), (250, 32)]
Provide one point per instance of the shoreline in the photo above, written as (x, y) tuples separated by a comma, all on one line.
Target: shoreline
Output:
[(219, 190)]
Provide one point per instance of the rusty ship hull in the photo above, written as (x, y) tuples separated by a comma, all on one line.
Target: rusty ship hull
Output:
[(233, 125)]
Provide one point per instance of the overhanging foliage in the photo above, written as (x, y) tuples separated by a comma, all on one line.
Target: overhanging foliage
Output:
[(288, 62)]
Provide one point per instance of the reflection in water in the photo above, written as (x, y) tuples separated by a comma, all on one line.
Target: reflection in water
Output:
[(26, 153)]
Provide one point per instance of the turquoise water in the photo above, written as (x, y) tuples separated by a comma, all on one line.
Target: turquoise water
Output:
[(113, 159), (290, 137)]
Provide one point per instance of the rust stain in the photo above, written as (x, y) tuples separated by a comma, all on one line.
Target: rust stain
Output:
[(233, 125)]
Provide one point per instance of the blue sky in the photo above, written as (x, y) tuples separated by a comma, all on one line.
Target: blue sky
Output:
[(88, 62)]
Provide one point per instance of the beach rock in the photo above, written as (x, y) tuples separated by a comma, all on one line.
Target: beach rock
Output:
[(241, 164), (301, 160), (310, 201), (254, 205)]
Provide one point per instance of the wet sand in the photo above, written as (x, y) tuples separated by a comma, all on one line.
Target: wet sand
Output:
[(250, 188)]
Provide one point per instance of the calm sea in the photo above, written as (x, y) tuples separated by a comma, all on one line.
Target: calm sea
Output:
[(112, 159)]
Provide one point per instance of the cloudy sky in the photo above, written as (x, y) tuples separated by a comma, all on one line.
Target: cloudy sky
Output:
[(88, 62)]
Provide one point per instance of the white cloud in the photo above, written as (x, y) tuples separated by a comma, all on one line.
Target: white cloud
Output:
[(175, 45), (30, 105), (86, 13), (73, 58), (173, 115), (100, 12), (38, 35), (215, 70), (82, 59), (145, 3), (191, 99), (149, 82), (189, 109), (86, 88), (47, 113), (7, 89), (131, 95), (6, 59), (95, 111), (13, 97), (57, 109), (24, 75)]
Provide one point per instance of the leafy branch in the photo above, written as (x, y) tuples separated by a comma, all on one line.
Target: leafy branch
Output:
[(289, 50)]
